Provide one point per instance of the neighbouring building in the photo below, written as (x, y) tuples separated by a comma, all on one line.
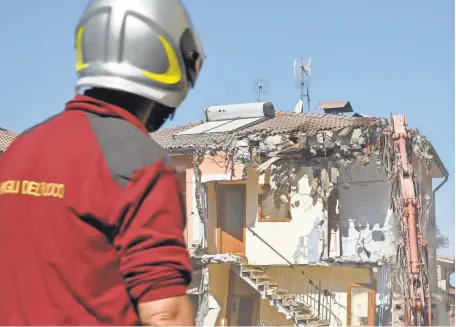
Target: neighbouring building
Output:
[(445, 276), (6, 137), (445, 267), (292, 216)]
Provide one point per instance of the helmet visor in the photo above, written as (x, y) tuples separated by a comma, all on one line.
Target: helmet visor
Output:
[(193, 55), (194, 65)]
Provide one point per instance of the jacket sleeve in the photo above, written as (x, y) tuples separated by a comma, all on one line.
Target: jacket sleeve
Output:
[(154, 259)]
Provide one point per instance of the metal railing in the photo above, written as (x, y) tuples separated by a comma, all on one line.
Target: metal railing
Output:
[(312, 292)]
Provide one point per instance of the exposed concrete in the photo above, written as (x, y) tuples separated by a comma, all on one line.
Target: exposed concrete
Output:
[(220, 258), (366, 223)]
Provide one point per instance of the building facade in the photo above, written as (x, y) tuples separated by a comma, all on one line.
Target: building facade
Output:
[(293, 217)]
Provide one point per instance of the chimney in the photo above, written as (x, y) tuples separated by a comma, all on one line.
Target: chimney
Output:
[(335, 107)]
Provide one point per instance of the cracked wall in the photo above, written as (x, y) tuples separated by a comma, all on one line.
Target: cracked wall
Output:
[(299, 239), (339, 214)]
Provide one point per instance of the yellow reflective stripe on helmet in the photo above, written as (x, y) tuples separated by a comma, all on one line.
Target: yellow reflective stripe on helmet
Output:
[(174, 74), (80, 65)]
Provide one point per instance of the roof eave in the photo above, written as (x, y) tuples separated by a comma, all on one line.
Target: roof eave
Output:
[(439, 163)]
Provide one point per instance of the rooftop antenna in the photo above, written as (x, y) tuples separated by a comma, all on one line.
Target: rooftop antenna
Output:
[(302, 71), (260, 87)]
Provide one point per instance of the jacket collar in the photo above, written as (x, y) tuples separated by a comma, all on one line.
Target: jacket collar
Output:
[(101, 108)]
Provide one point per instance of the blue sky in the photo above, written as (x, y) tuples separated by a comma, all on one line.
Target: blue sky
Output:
[(383, 56)]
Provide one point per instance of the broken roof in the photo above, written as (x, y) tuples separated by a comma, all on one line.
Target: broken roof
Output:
[(6, 137), (284, 122)]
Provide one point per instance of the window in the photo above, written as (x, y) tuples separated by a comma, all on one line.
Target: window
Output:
[(272, 206), (360, 305)]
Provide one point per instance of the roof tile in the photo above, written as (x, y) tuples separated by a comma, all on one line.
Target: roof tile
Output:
[(6, 138), (284, 122)]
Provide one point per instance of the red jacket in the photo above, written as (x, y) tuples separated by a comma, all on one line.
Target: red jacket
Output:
[(91, 221)]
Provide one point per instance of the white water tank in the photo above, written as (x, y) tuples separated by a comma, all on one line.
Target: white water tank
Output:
[(240, 111)]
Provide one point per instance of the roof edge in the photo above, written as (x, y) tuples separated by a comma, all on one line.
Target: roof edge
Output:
[(439, 162)]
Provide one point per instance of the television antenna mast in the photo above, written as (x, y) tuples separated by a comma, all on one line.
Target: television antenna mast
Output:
[(260, 87), (302, 72)]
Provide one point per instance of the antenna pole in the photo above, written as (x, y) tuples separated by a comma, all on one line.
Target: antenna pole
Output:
[(301, 71), (259, 90), (308, 97)]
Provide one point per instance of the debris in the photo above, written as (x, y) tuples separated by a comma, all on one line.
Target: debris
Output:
[(363, 160), (265, 165), (334, 175), (314, 187), (220, 258), (355, 137)]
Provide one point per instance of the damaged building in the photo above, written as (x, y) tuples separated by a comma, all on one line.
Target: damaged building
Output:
[(293, 218)]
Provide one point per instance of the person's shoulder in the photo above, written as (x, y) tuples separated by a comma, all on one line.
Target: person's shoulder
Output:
[(125, 147), (40, 124)]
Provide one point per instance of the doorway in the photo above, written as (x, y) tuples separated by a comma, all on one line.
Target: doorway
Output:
[(243, 311), (360, 305), (231, 218)]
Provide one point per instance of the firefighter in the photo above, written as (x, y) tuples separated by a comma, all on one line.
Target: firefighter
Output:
[(91, 212)]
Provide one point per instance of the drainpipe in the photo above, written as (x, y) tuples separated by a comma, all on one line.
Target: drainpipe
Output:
[(432, 262), (440, 185)]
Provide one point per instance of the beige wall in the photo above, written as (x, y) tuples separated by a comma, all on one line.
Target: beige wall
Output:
[(241, 288), (219, 276), (270, 315)]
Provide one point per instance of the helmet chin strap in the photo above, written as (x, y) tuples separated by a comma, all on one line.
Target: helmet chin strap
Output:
[(144, 113), (154, 115)]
